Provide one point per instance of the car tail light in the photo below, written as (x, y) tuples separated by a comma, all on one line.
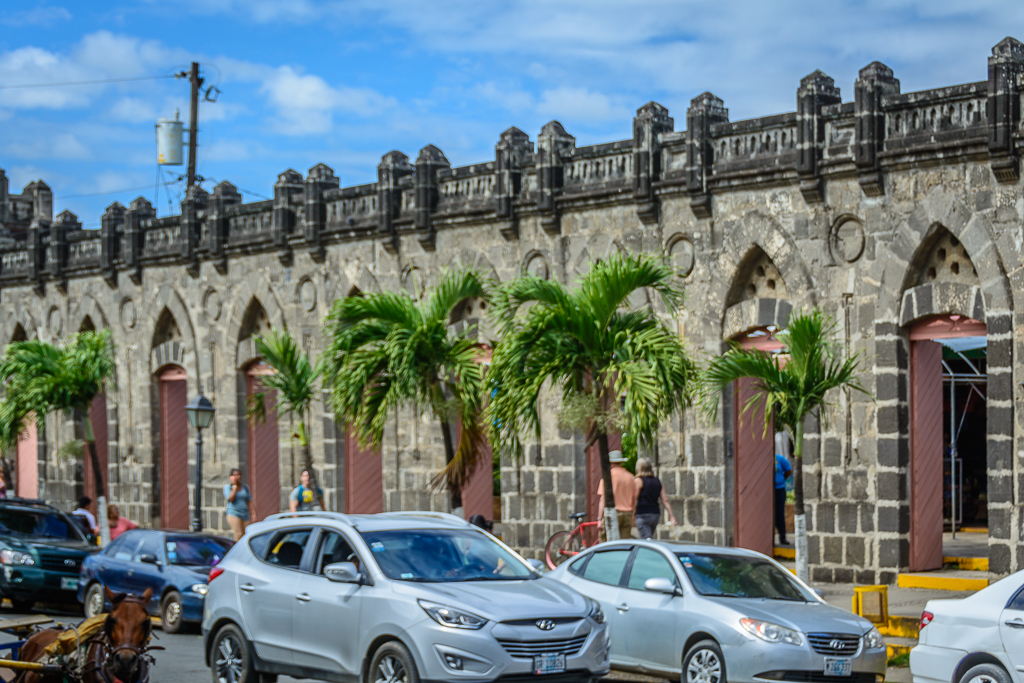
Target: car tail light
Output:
[(214, 573), (926, 618)]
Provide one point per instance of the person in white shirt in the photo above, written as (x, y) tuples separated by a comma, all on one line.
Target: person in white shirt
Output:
[(84, 503)]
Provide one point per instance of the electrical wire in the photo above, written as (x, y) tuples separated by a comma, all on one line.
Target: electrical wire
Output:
[(100, 194), (106, 80)]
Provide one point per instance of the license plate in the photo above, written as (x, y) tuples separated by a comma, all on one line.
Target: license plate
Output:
[(549, 664), (835, 666), (68, 584)]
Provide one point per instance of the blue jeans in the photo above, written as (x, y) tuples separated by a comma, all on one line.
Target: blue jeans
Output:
[(647, 524)]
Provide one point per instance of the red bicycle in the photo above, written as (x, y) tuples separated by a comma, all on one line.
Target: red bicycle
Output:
[(565, 544)]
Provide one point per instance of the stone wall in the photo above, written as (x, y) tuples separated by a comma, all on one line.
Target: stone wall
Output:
[(882, 211)]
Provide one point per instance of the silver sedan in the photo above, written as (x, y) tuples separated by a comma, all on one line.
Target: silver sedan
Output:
[(720, 614)]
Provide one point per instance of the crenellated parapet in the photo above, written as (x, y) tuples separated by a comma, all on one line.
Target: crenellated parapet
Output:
[(880, 131)]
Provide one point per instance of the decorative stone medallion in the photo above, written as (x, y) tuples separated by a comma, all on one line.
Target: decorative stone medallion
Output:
[(127, 314), (307, 295), (681, 254), (536, 266), (847, 240), (211, 304)]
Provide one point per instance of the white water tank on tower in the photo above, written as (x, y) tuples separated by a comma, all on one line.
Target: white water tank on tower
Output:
[(168, 141)]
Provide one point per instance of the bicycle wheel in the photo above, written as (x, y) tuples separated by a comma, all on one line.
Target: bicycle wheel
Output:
[(561, 546)]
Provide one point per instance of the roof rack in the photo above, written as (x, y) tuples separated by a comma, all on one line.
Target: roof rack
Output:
[(444, 516), (311, 513)]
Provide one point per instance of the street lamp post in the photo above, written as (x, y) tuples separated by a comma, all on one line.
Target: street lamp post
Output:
[(200, 414)]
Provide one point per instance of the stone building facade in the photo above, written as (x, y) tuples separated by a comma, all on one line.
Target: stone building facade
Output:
[(893, 212)]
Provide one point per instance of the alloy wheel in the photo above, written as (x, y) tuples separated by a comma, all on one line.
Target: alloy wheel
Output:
[(95, 605), (229, 660), (704, 667), (391, 670), (983, 678), (173, 612)]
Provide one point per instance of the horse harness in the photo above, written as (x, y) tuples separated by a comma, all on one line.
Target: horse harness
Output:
[(102, 651)]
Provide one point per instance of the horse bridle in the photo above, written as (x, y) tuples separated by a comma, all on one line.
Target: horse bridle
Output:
[(106, 650)]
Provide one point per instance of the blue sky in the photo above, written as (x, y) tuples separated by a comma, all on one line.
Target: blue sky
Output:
[(342, 83)]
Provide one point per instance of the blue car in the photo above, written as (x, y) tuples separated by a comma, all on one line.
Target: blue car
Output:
[(175, 564)]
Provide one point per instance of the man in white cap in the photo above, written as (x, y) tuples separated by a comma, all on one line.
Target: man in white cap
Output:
[(624, 488)]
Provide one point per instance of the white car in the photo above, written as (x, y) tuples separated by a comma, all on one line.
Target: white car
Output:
[(977, 639)]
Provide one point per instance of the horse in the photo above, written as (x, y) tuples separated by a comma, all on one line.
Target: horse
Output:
[(116, 654)]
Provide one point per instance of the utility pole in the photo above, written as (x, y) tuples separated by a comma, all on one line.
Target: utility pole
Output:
[(193, 124)]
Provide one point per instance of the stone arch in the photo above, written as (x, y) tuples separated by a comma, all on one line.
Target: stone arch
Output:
[(20, 318), (173, 340), (764, 232), (254, 289), (255, 322), (475, 260), (88, 308), (756, 277)]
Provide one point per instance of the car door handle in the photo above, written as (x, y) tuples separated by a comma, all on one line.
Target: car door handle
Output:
[(1015, 623), (247, 587), (303, 597), (623, 607)]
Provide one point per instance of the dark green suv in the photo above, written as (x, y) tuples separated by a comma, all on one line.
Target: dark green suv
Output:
[(41, 552)]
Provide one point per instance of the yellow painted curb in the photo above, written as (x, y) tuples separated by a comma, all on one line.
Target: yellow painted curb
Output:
[(784, 553), (893, 649), (901, 627), (973, 529), (971, 564), (938, 582)]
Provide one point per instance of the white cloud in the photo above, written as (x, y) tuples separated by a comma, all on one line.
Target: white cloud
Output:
[(38, 16), (61, 146), (133, 110), (512, 99), (579, 104), (305, 103)]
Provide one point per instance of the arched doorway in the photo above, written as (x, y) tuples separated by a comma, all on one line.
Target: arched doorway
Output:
[(174, 501), (263, 457)]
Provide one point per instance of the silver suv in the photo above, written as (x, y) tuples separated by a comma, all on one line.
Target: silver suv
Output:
[(392, 598)]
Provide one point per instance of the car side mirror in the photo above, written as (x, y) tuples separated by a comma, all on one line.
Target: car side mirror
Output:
[(536, 564), (659, 584), (342, 572), (148, 558)]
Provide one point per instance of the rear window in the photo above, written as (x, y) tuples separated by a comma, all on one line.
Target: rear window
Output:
[(38, 523), (196, 551), (606, 567)]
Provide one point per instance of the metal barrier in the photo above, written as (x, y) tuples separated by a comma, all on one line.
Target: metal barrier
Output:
[(872, 603)]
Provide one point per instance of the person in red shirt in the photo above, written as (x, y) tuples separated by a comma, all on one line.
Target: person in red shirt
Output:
[(624, 488), (118, 524)]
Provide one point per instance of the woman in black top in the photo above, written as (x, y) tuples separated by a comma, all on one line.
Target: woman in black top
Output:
[(648, 491)]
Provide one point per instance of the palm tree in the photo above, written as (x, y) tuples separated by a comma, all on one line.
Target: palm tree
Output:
[(294, 380), (39, 378), (793, 385), (390, 350), (617, 370)]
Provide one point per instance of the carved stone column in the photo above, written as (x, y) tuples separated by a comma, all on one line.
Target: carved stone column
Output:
[(111, 225), (651, 120), (393, 167), (1003, 108), (319, 179), (875, 82), (57, 250), (816, 91), (287, 190), (554, 148), (705, 111), (428, 163), (138, 212), (513, 151), (224, 195)]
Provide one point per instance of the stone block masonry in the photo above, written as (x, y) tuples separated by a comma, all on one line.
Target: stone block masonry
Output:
[(885, 211)]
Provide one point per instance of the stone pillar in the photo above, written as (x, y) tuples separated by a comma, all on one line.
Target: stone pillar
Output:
[(139, 210), (289, 184), (42, 200), (874, 82), (428, 163), (1003, 107), (57, 256), (195, 201), (111, 225), (37, 230), (705, 111), (513, 151), (319, 179), (224, 195), (816, 91), (393, 167), (5, 198), (651, 120), (554, 147)]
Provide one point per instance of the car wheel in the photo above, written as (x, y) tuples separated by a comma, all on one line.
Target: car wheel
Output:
[(170, 612), (231, 659), (704, 663), (22, 604), (986, 673), (393, 663), (95, 601)]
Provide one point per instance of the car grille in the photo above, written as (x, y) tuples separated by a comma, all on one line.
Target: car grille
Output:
[(836, 644), (527, 649), (816, 677), (57, 564)]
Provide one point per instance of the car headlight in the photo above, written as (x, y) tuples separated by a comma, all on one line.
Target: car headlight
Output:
[(15, 557), (772, 633), (595, 611), (873, 640), (447, 616), (200, 588)]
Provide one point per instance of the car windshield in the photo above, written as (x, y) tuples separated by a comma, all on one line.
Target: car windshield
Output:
[(443, 555), (193, 551), (736, 576), (31, 522)]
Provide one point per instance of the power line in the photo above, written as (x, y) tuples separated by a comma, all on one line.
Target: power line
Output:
[(107, 80), (101, 194)]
